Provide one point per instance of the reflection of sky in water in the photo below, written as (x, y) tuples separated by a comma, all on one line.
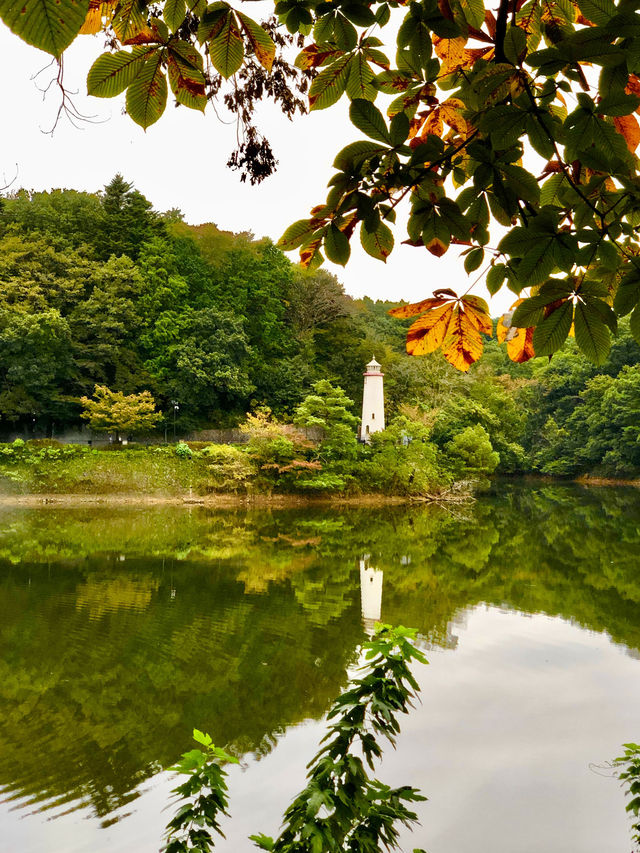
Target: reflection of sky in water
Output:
[(501, 745)]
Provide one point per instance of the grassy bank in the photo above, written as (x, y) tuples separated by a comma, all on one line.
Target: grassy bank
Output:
[(200, 470)]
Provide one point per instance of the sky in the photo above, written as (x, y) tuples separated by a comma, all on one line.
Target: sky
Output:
[(180, 162)]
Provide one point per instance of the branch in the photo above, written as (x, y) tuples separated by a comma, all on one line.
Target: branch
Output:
[(501, 30)]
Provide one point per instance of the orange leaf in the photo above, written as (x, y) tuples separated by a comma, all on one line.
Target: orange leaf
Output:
[(98, 16), (628, 127), (437, 247), (462, 345), (433, 124), (451, 114), (417, 307), (519, 341), (428, 332), (450, 52), (314, 55), (633, 86), (478, 312), (520, 347), (307, 253)]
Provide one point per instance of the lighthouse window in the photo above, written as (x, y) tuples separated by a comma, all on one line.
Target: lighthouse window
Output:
[(373, 416)]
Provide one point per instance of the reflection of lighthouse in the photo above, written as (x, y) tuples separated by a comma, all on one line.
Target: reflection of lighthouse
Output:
[(370, 593)]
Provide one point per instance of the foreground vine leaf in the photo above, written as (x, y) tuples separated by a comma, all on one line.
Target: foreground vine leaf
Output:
[(448, 322), (521, 115)]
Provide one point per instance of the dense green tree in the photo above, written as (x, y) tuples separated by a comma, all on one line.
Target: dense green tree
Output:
[(201, 359), (35, 365), (128, 220), (66, 217)]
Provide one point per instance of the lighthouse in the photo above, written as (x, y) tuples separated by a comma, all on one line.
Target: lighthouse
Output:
[(372, 401)]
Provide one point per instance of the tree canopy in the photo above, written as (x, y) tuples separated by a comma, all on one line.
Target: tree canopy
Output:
[(510, 132)]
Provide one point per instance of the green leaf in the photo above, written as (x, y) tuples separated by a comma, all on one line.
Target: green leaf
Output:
[(50, 25), (202, 737), (452, 216), (361, 79), (359, 13), (212, 21), (552, 332), (399, 129), (618, 104), (392, 82), (529, 313), (174, 12), (147, 95), (538, 136), (185, 75), (515, 44), (355, 153), (598, 11), (378, 243), (329, 85), (226, 50), (474, 259), (295, 235), (473, 11), (336, 245), (323, 29), (112, 73), (523, 183), (368, 118), (552, 190), (260, 40), (635, 324), (344, 33), (495, 278), (594, 141), (505, 123), (130, 19), (592, 335), (628, 293)]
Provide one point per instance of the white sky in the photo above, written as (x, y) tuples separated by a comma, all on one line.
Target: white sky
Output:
[(180, 162)]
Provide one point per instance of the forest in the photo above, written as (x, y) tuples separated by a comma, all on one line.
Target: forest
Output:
[(99, 289)]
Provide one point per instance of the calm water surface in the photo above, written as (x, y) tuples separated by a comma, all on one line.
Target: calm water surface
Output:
[(122, 629)]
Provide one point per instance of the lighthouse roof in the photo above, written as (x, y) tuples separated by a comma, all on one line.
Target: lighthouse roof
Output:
[(373, 366)]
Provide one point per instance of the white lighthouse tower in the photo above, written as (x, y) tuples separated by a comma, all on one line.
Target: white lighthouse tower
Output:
[(372, 401)]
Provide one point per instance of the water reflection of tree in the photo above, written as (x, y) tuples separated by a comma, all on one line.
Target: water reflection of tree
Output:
[(245, 623)]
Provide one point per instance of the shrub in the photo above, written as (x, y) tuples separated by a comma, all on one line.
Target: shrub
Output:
[(230, 468), (183, 451), (470, 453)]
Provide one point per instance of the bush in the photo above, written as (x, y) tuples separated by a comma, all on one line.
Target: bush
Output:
[(183, 451), (470, 453), (230, 468), (403, 461)]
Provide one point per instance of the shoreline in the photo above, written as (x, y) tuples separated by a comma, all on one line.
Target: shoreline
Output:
[(222, 501), (284, 501)]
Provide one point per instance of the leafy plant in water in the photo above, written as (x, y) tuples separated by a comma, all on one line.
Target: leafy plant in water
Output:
[(629, 775), (342, 808)]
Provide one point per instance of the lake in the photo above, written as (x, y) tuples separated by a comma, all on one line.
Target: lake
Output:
[(123, 628)]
